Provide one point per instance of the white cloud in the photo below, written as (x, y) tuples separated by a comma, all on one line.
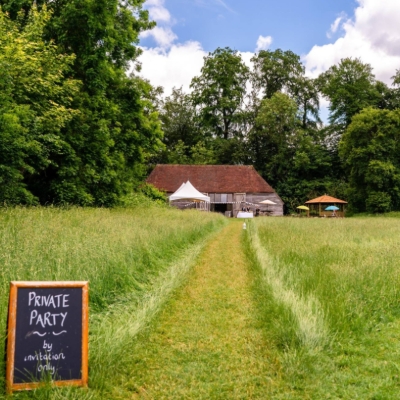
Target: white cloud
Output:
[(163, 36), (172, 68), (334, 27), (177, 66), (246, 57), (155, 3), (169, 64), (157, 11), (159, 14), (373, 35), (172, 64), (263, 42)]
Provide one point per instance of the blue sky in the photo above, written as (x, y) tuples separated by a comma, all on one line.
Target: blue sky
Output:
[(295, 25), (322, 32)]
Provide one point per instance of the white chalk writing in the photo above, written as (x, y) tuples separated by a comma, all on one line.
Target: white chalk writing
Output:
[(45, 357), (56, 301), (46, 319)]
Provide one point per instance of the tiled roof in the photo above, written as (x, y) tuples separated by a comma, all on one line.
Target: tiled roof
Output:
[(209, 178), (325, 199)]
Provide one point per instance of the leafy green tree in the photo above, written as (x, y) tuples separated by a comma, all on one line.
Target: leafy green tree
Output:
[(394, 93), (306, 94), (35, 104), (276, 71), (219, 92), (273, 137), (350, 87), (178, 153), (370, 151), (203, 154), (295, 161), (179, 119), (396, 78), (200, 154), (117, 126), (389, 98)]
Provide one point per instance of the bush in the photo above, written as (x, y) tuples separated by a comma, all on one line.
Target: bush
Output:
[(378, 202), (144, 195), (153, 193)]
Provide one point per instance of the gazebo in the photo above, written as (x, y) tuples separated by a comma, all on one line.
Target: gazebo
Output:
[(317, 206)]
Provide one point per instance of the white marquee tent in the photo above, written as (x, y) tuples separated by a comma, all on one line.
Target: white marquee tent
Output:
[(189, 193)]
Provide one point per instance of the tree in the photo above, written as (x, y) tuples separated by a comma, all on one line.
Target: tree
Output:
[(117, 125), (271, 142), (350, 87), (178, 117), (35, 104), (306, 94), (394, 93), (276, 71), (370, 151), (294, 160), (219, 92)]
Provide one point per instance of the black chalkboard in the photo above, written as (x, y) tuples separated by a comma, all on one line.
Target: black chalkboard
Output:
[(47, 334)]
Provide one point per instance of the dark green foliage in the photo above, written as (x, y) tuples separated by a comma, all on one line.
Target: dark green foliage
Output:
[(350, 87), (306, 95), (93, 151), (184, 138), (272, 141), (370, 151), (378, 202), (35, 105), (275, 71), (294, 161), (153, 193), (219, 92), (179, 120)]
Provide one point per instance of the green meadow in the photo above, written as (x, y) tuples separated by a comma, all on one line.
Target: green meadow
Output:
[(132, 258), (190, 305), (328, 293)]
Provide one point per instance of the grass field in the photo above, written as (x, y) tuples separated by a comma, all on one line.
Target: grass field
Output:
[(188, 305), (133, 259), (329, 299)]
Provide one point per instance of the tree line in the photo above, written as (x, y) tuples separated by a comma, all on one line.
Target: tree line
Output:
[(77, 128), (269, 117)]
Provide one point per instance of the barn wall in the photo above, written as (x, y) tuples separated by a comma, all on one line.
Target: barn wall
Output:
[(273, 210), (255, 198)]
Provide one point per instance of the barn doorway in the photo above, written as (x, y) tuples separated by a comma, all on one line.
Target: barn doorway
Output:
[(221, 208)]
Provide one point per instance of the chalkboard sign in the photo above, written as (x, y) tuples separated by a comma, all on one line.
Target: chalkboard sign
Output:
[(47, 334)]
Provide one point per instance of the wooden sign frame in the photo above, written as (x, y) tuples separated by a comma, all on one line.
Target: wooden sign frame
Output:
[(12, 326)]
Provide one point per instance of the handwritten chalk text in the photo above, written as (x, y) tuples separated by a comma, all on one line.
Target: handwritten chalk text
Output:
[(55, 301), (46, 319)]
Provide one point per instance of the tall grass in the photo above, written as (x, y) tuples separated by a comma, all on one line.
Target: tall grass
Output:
[(304, 309), (330, 299), (132, 258)]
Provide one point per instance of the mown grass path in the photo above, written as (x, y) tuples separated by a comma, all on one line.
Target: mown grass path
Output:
[(207, 343)]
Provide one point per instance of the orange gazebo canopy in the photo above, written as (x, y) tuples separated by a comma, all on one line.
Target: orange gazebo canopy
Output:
[(325, 199)]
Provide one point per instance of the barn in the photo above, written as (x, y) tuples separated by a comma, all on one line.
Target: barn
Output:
[(230, 187)]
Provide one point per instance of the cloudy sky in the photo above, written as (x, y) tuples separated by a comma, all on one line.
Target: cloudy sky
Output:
[(320, 31)]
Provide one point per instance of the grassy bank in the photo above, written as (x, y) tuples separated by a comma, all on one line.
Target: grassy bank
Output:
[(133, 259), (329, 294)]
